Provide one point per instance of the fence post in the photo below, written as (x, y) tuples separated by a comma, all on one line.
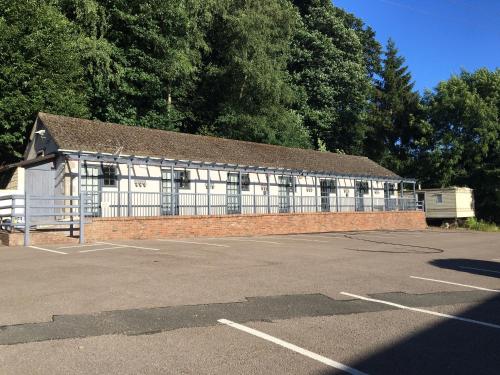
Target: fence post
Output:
[(209, 187), (26, 219), (129, 190), (196, 192), (337, 198), (293, 193), (268, 193), (316, 192), (240, 195), (371, 188), (172, 189), (402, 208), (82, 217), (254, 200), (414, 196)]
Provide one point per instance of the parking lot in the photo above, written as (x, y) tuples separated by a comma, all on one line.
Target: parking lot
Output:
[(422, 302)]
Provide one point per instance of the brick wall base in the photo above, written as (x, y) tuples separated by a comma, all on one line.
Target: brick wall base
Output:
[(141, 228), (249, 225)]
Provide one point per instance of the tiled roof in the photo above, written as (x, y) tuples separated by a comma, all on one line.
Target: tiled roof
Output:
[(95, 136)]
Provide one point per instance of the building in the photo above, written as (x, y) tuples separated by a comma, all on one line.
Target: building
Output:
[(111, 171), (447, 203)]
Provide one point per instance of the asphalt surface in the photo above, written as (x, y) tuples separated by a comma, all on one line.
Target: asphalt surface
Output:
[(423, 302)]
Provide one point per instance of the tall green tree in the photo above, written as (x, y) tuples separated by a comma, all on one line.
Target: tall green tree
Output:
[(40, 70), (464, 113), (246, 91), (394, 119), (142, 57), (329, 65)]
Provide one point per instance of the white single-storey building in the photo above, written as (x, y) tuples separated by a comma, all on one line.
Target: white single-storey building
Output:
[(117, 170)]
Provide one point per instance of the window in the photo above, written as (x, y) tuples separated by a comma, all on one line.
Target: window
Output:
[(108, 175), (439, 198), (328, 185), (362, 187), (245, 182), (184, 180), (391, 188)]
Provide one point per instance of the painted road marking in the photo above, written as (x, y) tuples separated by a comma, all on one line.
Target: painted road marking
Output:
[(49, 250), (322, 236), (104, 248), (478, 269), (451, 283), (130, 246), (76, 246), (422, 310), (295, 238), (245, 240), (196, 243), (292, 347)]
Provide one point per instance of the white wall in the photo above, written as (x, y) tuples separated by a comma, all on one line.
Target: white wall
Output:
[(147, 179)]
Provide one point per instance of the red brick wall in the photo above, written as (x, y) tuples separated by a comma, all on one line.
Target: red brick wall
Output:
[(229, 225), (248, 225)]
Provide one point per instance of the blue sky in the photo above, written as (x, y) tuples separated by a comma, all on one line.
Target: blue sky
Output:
[(437, 37)]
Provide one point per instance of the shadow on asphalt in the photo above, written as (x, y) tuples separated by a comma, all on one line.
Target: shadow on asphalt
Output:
[(449, 347), (477, 267)]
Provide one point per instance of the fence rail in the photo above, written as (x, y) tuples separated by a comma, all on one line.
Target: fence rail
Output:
[(115, 204), (24, 212)]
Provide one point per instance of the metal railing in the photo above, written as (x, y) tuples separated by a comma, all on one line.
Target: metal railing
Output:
[(116, 204), (27, 212)]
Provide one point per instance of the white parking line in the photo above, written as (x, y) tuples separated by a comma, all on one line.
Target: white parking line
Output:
[(295, 348), (321, 236), (296, 238), (76, 246), (449, 282), (49, 250), (195, 243), (478, 269), (132, 246), (245, 240), (101, 249), (422, 310)]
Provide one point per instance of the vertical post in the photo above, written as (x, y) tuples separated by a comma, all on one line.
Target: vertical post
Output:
[(415, 195), (82, 217), (26, 218), (337, 194), (254, 198), (316, 192), (293, 193), (371, 188), (402, 198), (172, 187), (302, 197), (240, 193), (268, 193), (196, 191), (129, 190), (119, 178), (209, 187)]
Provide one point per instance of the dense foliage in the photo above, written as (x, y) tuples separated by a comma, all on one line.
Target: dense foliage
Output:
[(299, 73)]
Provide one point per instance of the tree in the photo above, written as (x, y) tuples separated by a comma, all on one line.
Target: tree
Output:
[(394, 116), (328, 64), (464, 113), (246, 91), (142, 58), (40, 70)]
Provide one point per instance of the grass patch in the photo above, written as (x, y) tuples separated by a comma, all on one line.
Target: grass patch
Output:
[(481, 225)]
